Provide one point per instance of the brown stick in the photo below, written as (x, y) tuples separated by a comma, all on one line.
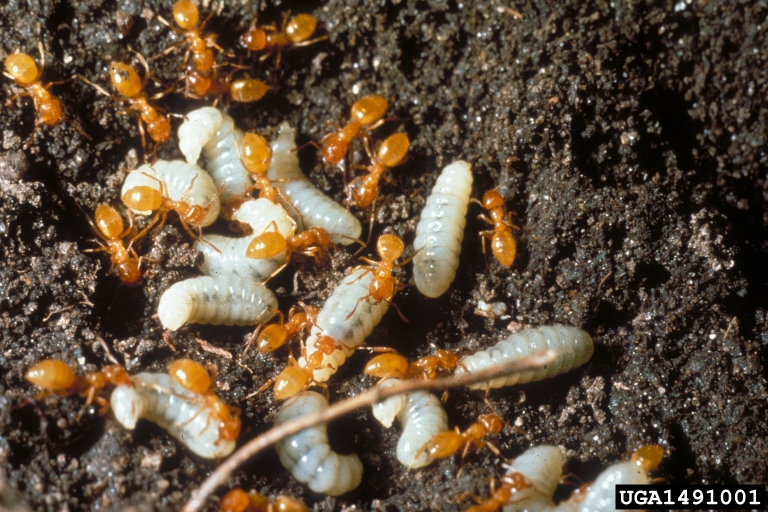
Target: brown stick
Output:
[(371, 396)]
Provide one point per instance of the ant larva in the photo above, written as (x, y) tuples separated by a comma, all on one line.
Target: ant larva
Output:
[(392, 364), (273, 336), (441, 229), (294, 32), (172, 186), (421, 416), (237, 500), (366, 115), (573, 346), (307, 454), (503, 244), (200, 420), (54, 376), (363, 190), (108, 225), (21, 68), (127, 82)]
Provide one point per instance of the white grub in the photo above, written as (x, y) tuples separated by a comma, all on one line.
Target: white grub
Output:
[(183, 413), (348, 333), (198, 128), (573, 346), (601, 496), (441, 229), (308, 206), (421, 416), (308, 456), (542, 466), (490, 310), (230, 258), (216, 300), (183, 182)]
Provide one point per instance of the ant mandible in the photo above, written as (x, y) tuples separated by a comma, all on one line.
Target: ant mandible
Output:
[(366, 115), (108, 225), (294, 32), (502, 242)]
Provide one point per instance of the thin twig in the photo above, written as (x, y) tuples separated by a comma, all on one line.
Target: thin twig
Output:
[(371, 396)]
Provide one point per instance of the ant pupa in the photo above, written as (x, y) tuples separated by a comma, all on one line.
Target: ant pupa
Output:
[(108, 225), (54, 376), (21, 68), (364, 190), (237, 500), (307, 454), (215, 300), (294, 32), (127, 82), (308, 206), (200, 420), (573, 346), (172, 186), (366, 114), (421, 416), (441, 229), (503, 244)]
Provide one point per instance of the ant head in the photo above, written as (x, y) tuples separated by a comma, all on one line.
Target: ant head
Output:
[(186, 14), (492, 199), (254, 40), (389, 247), (301, 27), (21, 67), (257, 154), (648, 456), (369, 109), (394, 149), (116, 374), (125, 79)]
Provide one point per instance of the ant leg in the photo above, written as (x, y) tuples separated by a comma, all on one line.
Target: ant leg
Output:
[(371, 221), (310, 41), (399, 313), (31, 138)]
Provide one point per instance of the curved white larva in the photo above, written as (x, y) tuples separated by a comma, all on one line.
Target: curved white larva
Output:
[(441, 229), (543, 467), (601, 496), (308, 456), (183, 181), (222, 157), (573, 346), (308, 206), (198, 128), (347, 332), (259, 214), (158, 398), (216, 300), (421, 416)]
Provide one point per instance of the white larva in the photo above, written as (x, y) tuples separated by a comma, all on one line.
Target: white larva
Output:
[(421, 416), (302, 200), (308, 456), (441, 229), (573, 346), (350, 332), (183, 413), (216, 300), (601, 496), (183, 182), (542, 466), (230, 258), (208, 130)]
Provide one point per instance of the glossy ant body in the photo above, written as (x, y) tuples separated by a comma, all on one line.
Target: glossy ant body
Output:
[(108, 225), (294, 32)]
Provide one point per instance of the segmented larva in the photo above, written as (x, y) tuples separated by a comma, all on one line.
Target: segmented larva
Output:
[(421, 416), (573, 346), (216, 300), (308, 456), (542, 466), (208, 130), (441, 229), (601, 496), (308, 206), (183, 182), (230, 258), (337, 321), (186, 415)]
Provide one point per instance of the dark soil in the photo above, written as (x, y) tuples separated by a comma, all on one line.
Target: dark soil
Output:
[(628, 137)]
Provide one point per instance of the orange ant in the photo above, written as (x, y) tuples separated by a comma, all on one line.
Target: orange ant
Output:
[(394, 365), (274, 336), (510, 484), (237, 500), (503, 243), (313, 242), (383, 285), (54, 376), (127, 82), (294, 32), (449, 442), (196, 378), (363, 190), (21, 68), (366, 115), (296, 378), (109, 227)]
